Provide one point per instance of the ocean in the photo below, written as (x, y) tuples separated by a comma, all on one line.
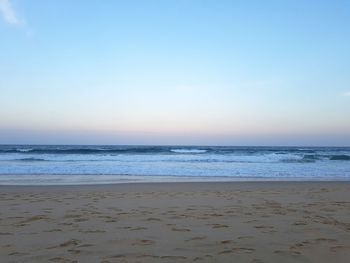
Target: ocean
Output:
[(69, 165)]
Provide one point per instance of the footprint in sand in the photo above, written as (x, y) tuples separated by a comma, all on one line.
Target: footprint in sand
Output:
[(153, 219), (245, 237), (243, 249), (226, 242), (18, 254), (181, 229), (92, 231), (308, 243), (215, 214), (287, 252), (143, 242), (300, 223), (111, 221), (173, 257), (138, 228), (116, 256), (62, 260), (33, 219), (238, 250), (340, 248), (53, 230), (69, 216), (197, 238), (218, 226), (81, 219), (122, 213), (323, 239), (263, 227), (72, 242)]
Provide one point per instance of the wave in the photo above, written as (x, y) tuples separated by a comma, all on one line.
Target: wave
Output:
[(311, 158), (77, 150), (182, 158), (188, 150), (101, 150), (30, 159), (341, 157), (24, 149), (292, 153), (302, 160)]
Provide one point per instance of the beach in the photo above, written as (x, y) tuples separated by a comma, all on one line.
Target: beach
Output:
[(176, 222)]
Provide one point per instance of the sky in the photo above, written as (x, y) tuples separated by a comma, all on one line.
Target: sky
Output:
[(188, 72)]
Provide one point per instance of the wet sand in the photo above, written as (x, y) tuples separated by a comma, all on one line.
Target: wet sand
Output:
[(177, 222)]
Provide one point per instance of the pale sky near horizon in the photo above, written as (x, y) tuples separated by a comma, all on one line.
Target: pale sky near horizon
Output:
[(175, 72)]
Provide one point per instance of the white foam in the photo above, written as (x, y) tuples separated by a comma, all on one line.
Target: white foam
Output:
[(25, 150), (188, 150)]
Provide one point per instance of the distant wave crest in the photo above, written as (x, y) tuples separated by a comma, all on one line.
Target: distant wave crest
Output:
[(188, 150), (24, 150)]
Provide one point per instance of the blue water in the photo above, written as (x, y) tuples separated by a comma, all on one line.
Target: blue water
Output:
[(49, 164)]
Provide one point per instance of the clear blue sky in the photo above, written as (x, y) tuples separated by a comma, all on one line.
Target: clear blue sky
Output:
[(175, 72)]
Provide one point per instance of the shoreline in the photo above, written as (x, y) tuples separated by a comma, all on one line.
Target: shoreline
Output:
[(220, 185), (136, 179), (277, 181)]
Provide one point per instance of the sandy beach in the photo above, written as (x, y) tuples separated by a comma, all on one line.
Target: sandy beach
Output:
[(176, 222)]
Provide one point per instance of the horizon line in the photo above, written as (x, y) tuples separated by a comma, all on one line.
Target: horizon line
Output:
[(174, 145)]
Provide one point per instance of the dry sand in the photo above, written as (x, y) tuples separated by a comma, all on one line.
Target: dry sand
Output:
[(177, 222)]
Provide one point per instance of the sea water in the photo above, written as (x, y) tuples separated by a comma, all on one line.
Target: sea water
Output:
[(57, 165)]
